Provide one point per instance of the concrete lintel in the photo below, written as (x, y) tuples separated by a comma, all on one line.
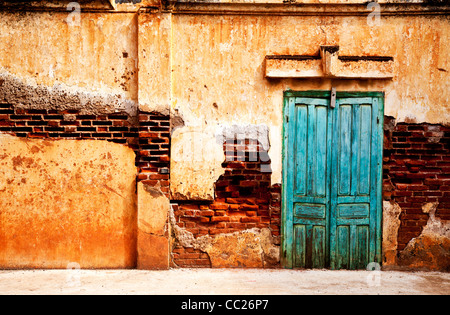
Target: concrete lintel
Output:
[(328, 64), (300, 8)]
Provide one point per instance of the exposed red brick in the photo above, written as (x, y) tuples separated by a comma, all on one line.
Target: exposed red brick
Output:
[(413, 174), (219, 206), (243, 197)]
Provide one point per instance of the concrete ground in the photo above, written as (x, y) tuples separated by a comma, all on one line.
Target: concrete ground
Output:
[(221, 282)]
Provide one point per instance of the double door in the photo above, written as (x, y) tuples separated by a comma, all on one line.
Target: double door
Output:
[(332, 172)]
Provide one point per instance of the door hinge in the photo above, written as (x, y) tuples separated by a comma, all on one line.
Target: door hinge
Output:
[(333, 97)]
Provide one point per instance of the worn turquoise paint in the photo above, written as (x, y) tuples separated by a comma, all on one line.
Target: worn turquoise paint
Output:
[(332, 168)]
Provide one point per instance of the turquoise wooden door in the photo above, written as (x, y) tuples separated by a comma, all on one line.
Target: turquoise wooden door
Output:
[(332, 159)]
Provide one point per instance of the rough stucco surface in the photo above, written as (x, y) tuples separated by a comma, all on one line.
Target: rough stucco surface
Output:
[(249, 249), (90, 65), (196, 163), (153, 210), (66, 202), (155, 31), (208, 70), (61, 97), (153, 228), (391, 224)]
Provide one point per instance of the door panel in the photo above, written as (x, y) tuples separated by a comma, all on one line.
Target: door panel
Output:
[(310, 193), (300, 152), (352, 247), (310, 211), (364, 150), (332, 180), (344, 149), (355, 200), (310, 246)]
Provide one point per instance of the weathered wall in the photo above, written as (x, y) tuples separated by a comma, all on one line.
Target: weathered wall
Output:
[(153, 228), (431, 249), (66, 201), (200, 94), (240, 227)]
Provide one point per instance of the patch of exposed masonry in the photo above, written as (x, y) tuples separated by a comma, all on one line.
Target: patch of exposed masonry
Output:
[(200, 152), (248, 248), (431, 249), (61, 97)]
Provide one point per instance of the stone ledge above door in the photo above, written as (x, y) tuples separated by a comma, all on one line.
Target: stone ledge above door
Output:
[(328, 64)]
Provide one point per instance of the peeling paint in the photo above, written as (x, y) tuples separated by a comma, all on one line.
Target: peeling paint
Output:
[(431, 250), (41, 53), (235, 81), (62, 97), (196, 162), (197, 156)]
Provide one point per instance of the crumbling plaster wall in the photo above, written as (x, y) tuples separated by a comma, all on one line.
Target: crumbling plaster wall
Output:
[(207, 71), (431, 249), (415, 188)]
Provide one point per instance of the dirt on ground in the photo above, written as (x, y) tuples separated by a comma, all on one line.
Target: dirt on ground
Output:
[(222, 282)]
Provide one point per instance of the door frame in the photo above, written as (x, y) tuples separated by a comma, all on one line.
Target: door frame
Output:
[(286, 214)]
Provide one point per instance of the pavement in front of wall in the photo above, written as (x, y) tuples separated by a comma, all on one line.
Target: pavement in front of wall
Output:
[(222, 282)]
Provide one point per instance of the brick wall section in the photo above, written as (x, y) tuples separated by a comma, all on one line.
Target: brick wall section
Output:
[(148, 136), (69, 124), (154, 150), (417, 171), (244, 199)]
